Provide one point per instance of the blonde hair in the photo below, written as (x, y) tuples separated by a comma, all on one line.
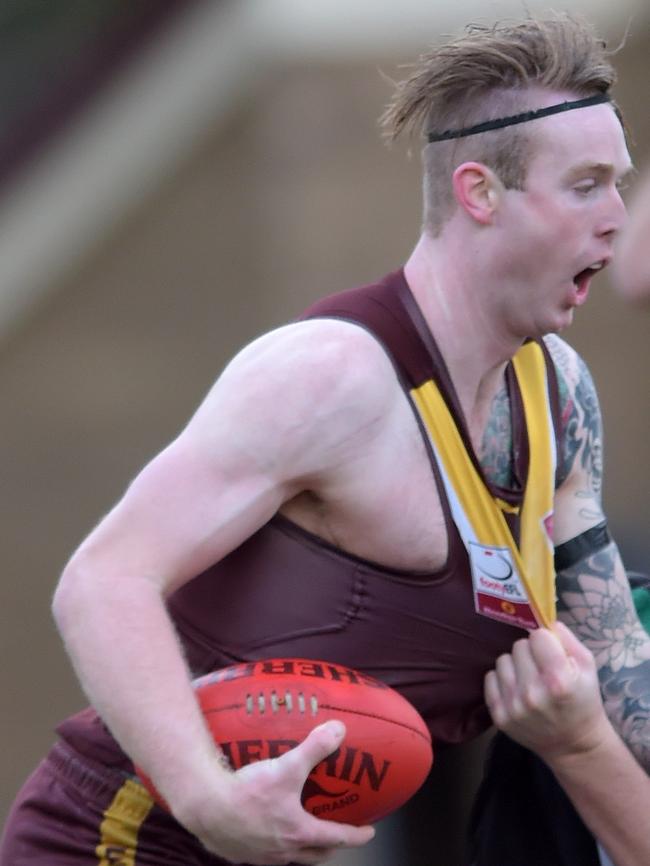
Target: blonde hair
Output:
[(487, 73)]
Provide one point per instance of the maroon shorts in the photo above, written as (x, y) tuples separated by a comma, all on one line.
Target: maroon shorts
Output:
[(72, 812)]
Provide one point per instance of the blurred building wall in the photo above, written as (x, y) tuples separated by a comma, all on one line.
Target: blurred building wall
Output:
[(295, 197)]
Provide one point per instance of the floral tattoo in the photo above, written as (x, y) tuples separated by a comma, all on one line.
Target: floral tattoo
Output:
[(594, 601)]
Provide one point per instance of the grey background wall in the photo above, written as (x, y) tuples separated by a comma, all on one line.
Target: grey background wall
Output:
[(290, 197)]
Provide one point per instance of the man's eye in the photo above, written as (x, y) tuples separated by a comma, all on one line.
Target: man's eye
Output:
[(585, 187)]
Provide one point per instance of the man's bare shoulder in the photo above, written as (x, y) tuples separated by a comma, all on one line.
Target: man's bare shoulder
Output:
[(568, 363), (319, 387), (327, 356), (575, 382), (581, 448)]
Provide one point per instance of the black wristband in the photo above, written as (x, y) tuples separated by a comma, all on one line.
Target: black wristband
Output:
[(581, 546)]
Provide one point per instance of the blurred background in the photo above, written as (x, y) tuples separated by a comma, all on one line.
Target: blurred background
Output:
[(177, 176)]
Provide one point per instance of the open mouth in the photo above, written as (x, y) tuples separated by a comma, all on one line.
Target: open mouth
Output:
[(583, 278)]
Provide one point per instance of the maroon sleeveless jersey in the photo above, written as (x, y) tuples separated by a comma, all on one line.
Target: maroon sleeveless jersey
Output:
[(285, 592)]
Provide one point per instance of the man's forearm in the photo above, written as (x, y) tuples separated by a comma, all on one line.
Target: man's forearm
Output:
[(627, 703), (611, 791), (595, 602), (129, 662)]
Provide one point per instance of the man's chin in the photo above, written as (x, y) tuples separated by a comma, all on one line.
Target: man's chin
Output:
[(563, 321)]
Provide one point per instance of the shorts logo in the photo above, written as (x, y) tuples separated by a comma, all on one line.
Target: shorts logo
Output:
[(113, 855)]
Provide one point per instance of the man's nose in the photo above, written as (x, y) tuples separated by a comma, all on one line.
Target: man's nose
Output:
[(614, 215)]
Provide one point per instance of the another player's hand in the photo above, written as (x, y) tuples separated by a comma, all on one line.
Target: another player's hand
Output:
[(545, 694), (255, 814)]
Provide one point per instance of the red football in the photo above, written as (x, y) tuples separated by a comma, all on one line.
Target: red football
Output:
[(257, 710)]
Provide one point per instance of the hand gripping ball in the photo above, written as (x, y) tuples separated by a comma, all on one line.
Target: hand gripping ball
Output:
[(261, 709)]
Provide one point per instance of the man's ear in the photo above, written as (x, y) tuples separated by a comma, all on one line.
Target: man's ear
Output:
[(477, 190)]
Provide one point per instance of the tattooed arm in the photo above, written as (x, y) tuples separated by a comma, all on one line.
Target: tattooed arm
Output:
[(594, 598), (545, 695)]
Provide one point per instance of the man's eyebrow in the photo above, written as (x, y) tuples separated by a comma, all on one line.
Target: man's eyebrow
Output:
[(600, 168)]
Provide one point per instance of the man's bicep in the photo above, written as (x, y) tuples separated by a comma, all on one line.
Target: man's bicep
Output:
[(204, 494), (181, 514), (277, 420)]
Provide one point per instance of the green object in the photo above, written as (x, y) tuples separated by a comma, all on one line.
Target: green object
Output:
[(641, 597)]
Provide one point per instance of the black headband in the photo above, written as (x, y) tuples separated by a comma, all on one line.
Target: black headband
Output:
[(500, 122)]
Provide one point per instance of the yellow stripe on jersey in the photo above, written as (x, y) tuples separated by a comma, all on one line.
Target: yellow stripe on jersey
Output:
[(118, 832), (534, 561), (536, 544), (506, 507)]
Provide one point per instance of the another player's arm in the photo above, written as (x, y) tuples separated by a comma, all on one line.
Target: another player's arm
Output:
[(594, 598), (545, 694), (289, 411)]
